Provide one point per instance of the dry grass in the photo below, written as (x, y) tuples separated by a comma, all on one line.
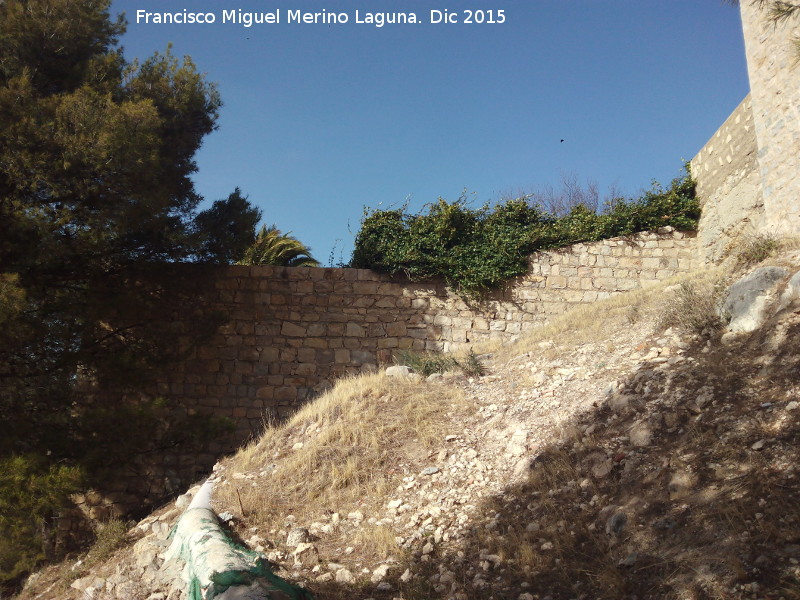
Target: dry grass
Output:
[(599, 321), (343, 452), (741, 503), (694, 306)]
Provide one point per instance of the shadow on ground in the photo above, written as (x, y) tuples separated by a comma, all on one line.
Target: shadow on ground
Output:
[(682, 485)]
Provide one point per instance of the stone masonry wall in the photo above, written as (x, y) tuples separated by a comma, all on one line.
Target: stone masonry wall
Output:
[(728, 184), (747, 173), (292, 331), (773, 71)]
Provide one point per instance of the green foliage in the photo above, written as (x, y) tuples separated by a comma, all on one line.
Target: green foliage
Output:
[(428, 363), (475, 250), (108, 537), (472, 365), (96, 199), (31, 495), (228, 228), (271, 247)]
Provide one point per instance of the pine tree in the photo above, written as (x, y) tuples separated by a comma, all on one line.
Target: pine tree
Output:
[(96, 201)]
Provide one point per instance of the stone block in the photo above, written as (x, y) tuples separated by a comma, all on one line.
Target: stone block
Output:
[(333, 330), (304, 287), (442, 320), (386, 302), (387, 288), (249, 354), (246, 327), (368, 288), (317, 329), (265, 393), (396, 329), (361, 357), (651, 263), (511, 327), (289, 354), (604, 283), (391, 342), (323, 287), (354, 330), (357, 301), (497, 325), (568, 271), (627, 284), (285, 394), (306, 354), (306, 369), (405, 343), (462, 322), (420, 303), (293, 330), (244, 368), (480, 324)]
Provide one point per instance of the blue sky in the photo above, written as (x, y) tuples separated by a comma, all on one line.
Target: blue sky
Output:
[(320, 120)]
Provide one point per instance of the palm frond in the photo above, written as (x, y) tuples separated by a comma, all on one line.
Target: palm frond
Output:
[(272, 247)]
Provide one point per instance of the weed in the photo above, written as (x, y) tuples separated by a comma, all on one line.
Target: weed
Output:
[(695, 307), (427, 363), (108, 537), (471, 365), (437, 362), (755, 249)]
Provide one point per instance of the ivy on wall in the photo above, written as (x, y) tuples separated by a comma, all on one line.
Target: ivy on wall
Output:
[(478, 249)]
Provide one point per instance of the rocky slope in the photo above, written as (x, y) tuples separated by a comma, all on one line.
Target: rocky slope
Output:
[(609, 456)]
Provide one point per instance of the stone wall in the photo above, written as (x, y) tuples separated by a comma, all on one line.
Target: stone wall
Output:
[(728, 184), (773, 70), (291, 332), (747, 174)]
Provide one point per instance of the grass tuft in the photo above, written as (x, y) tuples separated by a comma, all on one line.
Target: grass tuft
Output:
[(429, 363), (755, 249), (109, 536), (694, 307)]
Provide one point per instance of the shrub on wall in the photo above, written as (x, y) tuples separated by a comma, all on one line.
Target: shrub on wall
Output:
[(475, 250)]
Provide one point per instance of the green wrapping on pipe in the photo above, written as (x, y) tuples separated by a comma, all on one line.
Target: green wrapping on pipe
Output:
[(216, 568)]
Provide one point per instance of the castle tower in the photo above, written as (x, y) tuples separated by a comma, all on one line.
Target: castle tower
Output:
[(774, 72)]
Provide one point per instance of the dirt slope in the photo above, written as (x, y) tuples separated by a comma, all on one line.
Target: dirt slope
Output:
[(607, 456)]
